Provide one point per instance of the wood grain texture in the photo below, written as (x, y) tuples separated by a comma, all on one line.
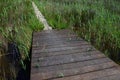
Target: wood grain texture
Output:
[(62, 55)]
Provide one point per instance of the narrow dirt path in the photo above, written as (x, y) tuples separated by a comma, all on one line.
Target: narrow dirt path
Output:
[(41, 17)]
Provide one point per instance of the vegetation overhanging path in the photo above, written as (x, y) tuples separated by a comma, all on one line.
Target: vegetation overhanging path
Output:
[(41, 17)]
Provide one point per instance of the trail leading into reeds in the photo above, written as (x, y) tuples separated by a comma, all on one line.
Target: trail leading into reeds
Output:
[(41, 17)]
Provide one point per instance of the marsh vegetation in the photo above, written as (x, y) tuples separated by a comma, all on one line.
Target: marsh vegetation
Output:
[(17, 22)]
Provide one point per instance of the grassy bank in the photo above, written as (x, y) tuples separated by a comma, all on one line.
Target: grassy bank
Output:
[(97, 21), (17, 22)]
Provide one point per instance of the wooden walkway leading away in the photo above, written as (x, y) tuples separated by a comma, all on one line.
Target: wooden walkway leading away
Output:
[(62, 55)]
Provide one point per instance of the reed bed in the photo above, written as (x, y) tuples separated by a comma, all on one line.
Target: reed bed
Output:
[(17, 22)]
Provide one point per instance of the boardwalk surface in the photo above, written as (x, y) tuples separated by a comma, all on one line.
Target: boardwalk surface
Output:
[(62, 55)]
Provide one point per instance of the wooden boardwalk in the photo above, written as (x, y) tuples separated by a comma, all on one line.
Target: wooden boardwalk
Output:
[(62, 55)]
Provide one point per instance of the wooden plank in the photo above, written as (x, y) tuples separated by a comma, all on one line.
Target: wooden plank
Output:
[(70, 65), (43, 50), (70, 37), (55, 36), (57, 32), (54, 42), (92, 75), (75, 71), (63, 59), (57, 44), (63, 52), (111, 77)]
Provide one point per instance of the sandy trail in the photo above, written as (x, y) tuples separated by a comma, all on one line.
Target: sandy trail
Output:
[(41, 17)]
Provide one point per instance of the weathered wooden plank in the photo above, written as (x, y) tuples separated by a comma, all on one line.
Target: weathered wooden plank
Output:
[(62, 59), (57, 44), (110, 77), (62, 52), (75, 71), (92, 75), (80, 70), (60, 45), (54, 42), (57, 32), (70, 65), (69, 37), (55, 36), (61, 49)]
